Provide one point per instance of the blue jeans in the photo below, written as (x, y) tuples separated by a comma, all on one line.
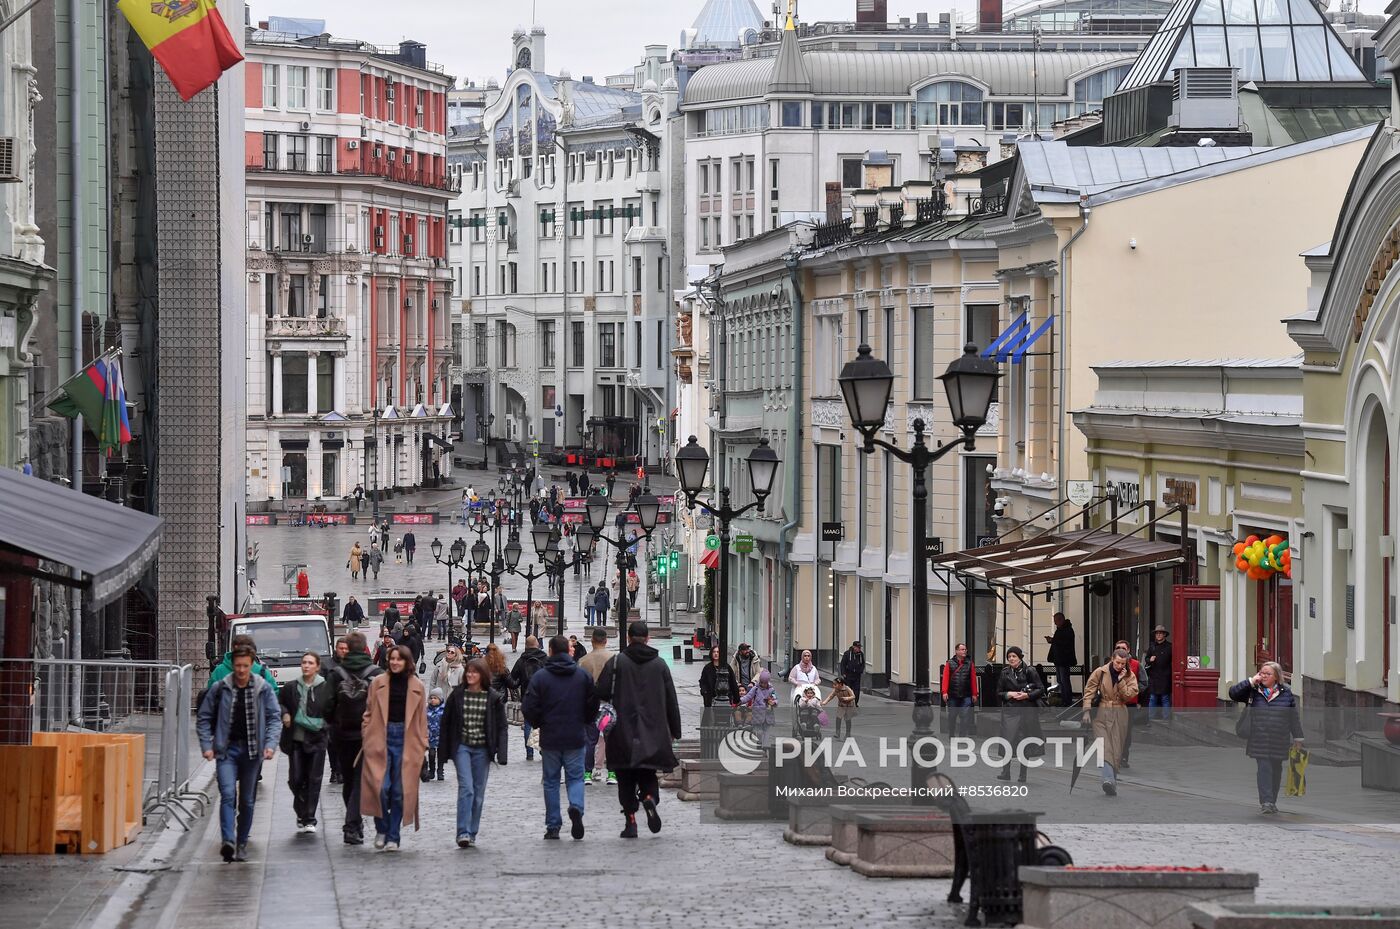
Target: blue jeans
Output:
[(571, 760), (1110, 774), (525, 730), (588, 616), (1159, 700), (960, 717), (391, 791), (238, 789), (473, 767)]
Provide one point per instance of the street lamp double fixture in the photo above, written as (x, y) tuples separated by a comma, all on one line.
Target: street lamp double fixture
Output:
[(692, 464), (648, 509), (866, 385), (540, 536)]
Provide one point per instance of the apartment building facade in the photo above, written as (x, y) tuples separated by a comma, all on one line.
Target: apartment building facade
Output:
[(349, 292)]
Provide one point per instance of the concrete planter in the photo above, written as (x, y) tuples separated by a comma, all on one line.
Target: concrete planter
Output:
[(1074, 898), (743, 796), (845, 834), (809, 821), (1273, 916), (686, 750), (700, 779), (904, 845)]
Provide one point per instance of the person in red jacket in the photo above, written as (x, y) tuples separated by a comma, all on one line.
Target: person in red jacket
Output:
[(1135, 667), (959, 689), (303, 584)]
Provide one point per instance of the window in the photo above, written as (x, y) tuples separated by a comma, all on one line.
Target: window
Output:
[(325, 154), (270, 151), (323, 297), (922, 351), (1089, 92), (660, 344), (661, 274), (576, 344), (949, 103), (476, 280), (330, 474), (636, 275), (792, 114), (270, 294), (296, 295), (325, 89), (600, 279), (547, 356), (637, 332), (603, 217), (981, 324), (607, 346), (514, 277), (296, 152), (852, 173), (1008, 115), (773, 165), (296, 87), (270, 82), (575, 220), (294, 386), (325, 382), (479, 344)]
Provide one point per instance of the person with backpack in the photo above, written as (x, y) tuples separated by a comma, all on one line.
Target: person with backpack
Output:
[(530, 661), (474, 734), (350, 682), (560, 702), (395, 736), (638, 685), (306, 702)]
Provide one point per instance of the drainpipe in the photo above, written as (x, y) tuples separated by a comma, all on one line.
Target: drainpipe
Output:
[(795, 463), (77, 222), (1063, 338)]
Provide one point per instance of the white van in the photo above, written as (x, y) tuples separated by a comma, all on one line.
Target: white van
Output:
[(282, 638)]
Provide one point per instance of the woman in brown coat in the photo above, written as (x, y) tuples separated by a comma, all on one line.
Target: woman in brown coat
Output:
[(1111, 687), (395, 740)]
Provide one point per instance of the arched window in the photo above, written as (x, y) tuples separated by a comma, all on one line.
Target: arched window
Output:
[(949, 103), (1089, 91)]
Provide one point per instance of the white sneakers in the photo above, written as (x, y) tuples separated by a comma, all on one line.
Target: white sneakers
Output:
[(391, 846), (306, 829), (380, 841)]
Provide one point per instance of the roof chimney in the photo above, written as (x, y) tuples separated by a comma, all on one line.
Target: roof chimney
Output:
[(989, 16), (872, 11)]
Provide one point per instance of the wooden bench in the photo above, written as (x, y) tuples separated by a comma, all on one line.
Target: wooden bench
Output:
[(71, 791), (27, 799), (120, 807)]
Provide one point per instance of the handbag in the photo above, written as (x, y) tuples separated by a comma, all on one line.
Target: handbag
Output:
[(607, 718), (1297, 775), (533, 742), (426, 774), (514, 717)]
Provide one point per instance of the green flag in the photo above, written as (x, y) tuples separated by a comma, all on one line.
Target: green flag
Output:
[(83, 395)]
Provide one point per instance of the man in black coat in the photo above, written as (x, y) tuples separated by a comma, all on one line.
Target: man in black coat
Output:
[(639, 686), (531, 661), (410, 545), (853, 668), (350, 681), (1159, 676), (1062, 656), (561, 703)]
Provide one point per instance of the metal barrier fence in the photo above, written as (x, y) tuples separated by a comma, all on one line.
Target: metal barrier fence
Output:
[(151, 699)]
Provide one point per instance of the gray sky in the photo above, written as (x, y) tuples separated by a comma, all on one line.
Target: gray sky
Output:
[(595, 37)]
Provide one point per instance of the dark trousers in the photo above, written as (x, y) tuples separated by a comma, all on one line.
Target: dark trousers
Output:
[(305, 767), (332, 757), (960, 720), (1132, 718), (633, 784), (855, 686), (408, 555), (590, 752), (1268, 775), (348, 751), (1062, 681)]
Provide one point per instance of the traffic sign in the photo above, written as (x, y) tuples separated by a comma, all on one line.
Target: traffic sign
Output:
[(712, 542)]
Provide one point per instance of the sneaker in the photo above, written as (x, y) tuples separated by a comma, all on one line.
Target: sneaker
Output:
[(588, 778), (301, 828), (391, 846), (354, 838), (1125, 764), (552, 834), (464, 841), (576, 820), (1110, 788), (629, 831), (310, 828), (653, 817), (612, 779), (226, 852), (1264, 808), (241, 852), (380, 839)]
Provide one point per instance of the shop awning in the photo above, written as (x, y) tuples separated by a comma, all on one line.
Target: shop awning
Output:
[(1017, 339), (111, 545), (1018, 328), (1057, 558)]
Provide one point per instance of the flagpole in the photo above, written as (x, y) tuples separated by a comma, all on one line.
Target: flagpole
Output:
[(52, 395), (15, 17)]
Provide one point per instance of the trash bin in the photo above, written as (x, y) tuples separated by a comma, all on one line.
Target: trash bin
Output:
[(998, 845), (713, 727)]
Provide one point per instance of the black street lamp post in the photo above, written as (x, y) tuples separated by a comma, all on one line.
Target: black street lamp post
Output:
[(540, 535), (374, 410), (648, 509), (456, 558), (866, 385), (692, 463), (482, 523), (555, 561), (483, 425)]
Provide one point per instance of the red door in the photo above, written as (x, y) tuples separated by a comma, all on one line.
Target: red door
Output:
[(1273, 640), (1195, 675)]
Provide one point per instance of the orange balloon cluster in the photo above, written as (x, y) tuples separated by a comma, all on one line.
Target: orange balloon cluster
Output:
[(1259, 559)]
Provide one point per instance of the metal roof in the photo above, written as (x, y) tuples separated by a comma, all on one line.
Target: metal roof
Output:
[(1053, 558), (894, 74), (1061, 173)]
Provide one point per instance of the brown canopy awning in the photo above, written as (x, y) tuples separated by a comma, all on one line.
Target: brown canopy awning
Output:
[(1055, 558)]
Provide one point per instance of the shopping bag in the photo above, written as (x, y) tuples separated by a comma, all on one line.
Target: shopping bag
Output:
[(1296, 783), (513, 715)]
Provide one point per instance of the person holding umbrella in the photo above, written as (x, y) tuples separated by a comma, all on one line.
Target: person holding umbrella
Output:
[(1109, 691)]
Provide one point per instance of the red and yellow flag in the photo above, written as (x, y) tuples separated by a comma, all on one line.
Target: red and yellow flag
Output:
[(187, 37)]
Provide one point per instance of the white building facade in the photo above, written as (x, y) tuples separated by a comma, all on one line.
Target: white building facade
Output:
[(349, 330)]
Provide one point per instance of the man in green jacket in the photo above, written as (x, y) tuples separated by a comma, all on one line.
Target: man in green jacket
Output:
[(225, 667)]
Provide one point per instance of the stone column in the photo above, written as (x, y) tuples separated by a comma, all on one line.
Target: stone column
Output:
[(276, 383), (312, 404)]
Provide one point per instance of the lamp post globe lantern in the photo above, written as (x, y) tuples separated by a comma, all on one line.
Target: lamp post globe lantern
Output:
[(513, 552), (648, 511), (551, 554), (971, 382), (541, 535), (583, 537), (459, 551), (480, 552), (763, 470), (436, 548), (692, 463), (597, 510), (866, 384)]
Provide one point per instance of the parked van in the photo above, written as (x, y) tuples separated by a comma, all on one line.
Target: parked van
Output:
[(282, 638)]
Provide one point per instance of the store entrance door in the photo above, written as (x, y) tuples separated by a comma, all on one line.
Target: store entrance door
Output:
[(1195, 645)]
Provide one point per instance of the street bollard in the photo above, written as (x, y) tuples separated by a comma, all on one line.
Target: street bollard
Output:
[(998, 845), (676, 652)]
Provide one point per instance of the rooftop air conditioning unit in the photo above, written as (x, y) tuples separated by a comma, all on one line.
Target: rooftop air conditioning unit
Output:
[(352, 144), (1205, 98), (306, 125), (8, 172)]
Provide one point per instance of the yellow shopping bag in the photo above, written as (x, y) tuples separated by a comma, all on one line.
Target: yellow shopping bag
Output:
[(1296, 784)]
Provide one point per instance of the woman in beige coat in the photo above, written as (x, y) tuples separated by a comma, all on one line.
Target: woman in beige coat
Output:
[(1111, 687), (395, 741), (357, 555)]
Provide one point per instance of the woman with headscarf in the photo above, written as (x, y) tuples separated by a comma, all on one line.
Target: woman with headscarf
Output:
[(447, 674), (803, 675), (394, 743)]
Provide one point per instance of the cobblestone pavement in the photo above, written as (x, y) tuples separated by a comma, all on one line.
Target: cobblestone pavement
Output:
[(695, 872)]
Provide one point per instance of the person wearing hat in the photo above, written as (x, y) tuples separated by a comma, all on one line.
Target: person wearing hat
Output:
[(1159, 676), (853, 668), (746, 664)]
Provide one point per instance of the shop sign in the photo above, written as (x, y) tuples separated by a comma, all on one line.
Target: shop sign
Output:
[(1178, 491)]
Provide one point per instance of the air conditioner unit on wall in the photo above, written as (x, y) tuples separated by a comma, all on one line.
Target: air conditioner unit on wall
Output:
[(352, 144), (306, 125)]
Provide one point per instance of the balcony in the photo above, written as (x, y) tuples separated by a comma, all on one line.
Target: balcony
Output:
[(297, 327), (317, 166)]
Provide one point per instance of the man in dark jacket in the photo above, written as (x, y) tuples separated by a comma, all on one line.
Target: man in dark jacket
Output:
[(1062, 656), (350, 685), (959, 690), (353, 615), (562, 703), (602, 602), (410, 545), (530, 661), (853, 668), (639, 686), (1159, 676), (388, 619)]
